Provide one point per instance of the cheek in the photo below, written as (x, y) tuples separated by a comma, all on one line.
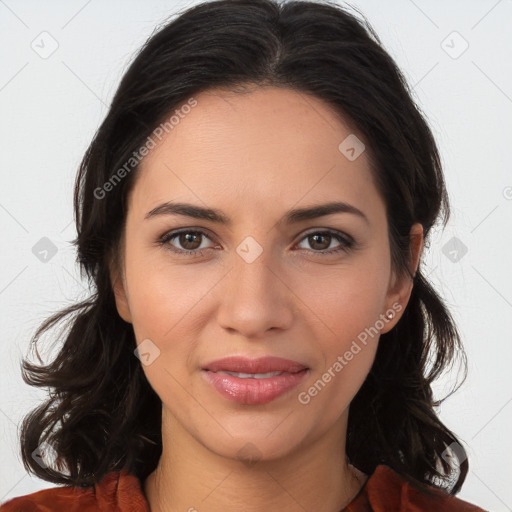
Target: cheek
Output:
[(162, 293), (332, 389), (345, 300), (164, 300), (348, 340), (344, 315)]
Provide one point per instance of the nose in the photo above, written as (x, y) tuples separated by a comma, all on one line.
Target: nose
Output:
[(255, 298)]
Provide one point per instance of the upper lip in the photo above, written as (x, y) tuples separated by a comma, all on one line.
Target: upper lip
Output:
[(261, 365)]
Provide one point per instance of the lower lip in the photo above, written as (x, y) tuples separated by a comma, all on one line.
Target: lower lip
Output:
[(253, 391)]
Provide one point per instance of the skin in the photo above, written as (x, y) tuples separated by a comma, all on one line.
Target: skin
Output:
[(255, 156)]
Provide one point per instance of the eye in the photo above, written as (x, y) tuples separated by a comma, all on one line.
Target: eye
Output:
[(191, 242), (321, 240)]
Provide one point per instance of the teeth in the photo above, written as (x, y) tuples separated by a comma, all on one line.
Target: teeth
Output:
[(252, 375)]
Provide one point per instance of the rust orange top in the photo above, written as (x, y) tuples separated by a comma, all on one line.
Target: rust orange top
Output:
[(384, 491)]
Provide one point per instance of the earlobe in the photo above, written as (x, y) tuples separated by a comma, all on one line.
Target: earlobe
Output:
[(120, 296), (400, 290)]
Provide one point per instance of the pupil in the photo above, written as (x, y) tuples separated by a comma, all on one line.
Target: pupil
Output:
[(188, 238), (316, 237)]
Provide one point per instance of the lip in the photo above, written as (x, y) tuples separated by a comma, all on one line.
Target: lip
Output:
[(253, 391), (259, 365)]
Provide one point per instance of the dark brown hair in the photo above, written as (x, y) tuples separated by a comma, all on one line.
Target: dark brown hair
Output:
[(102, 415)]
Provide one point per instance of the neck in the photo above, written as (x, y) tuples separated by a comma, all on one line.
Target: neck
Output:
[(191, 477)]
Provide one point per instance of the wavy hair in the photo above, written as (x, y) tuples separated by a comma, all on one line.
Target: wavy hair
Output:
[(102, 415)]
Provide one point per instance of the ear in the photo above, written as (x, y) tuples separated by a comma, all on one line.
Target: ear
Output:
[(119, 289), (400, 287)]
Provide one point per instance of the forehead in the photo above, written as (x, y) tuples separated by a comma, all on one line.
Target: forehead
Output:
[(262, 148)]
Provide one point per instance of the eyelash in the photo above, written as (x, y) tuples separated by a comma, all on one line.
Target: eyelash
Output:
[(347, 243)]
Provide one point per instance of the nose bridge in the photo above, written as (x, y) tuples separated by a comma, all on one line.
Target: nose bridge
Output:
[(253, 274), (255, 299)]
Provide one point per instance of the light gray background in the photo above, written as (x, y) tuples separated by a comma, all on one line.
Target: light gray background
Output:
[(51, 107)]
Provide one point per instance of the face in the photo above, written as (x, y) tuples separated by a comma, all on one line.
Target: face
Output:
[(311, 289)]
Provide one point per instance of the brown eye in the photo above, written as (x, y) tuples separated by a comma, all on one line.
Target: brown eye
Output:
[(320, 241), (189, 240), (185, 242)]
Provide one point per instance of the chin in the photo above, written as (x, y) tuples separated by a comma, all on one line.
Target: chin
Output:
[(249, 451), (252, 444)]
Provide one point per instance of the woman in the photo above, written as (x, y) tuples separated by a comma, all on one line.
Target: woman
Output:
[(252, 214)]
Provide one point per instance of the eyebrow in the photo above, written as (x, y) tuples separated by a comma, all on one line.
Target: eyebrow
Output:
[(291, 217)]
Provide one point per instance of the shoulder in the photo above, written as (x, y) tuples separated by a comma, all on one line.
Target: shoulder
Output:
[(386, 490), (117, 492)]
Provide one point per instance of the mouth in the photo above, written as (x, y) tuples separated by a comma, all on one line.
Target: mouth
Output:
[(241, 375), (254, 381), (260, 366)]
